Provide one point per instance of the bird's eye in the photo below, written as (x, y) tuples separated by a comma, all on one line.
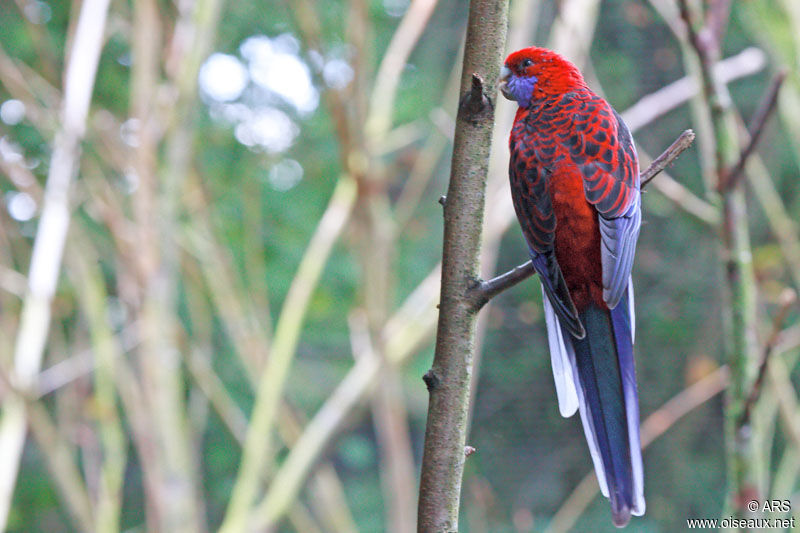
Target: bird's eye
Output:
[(527, 63)]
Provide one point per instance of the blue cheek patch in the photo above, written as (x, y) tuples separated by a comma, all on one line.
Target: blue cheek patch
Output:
[(522, 89)]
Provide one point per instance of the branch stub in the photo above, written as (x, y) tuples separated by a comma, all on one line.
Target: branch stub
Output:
[(475, 102), (431, 380)]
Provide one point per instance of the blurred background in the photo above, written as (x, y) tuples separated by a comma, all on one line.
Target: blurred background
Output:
[(245, 303)]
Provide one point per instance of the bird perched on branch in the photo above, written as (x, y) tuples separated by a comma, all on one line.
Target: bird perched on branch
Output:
[(575, 187)]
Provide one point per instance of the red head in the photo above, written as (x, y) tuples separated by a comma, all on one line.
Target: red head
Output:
[(535, 73)]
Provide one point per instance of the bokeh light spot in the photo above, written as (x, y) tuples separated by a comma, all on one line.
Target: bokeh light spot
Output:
[(21, 206), (285, 174), (12, 112), (222, 77)]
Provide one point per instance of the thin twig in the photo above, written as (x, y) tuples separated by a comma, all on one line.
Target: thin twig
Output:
[(232, 417), (684, 199), (308, 25), (665, 159), (483, 291), (425, 164), (403, 41), (249, 334), (787, 299), (486, 290), (781, 384), (293, 471), (759, 120), (39, 98), (660, 102)]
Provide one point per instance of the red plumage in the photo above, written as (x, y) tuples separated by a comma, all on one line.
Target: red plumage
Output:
[(575, 135), (575, 187), (577, 241)]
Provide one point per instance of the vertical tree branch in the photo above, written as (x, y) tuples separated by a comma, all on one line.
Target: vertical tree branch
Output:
[(51, 235), (146, 41), (740, 319), (178, 500), (445, 434), (106, 352)]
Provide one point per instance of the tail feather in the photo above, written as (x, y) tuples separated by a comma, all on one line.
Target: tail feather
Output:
[(602, 368), (560, 360), (600, 379), (623, 325)]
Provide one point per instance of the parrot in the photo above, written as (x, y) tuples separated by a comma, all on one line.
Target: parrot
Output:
[(574, 178)]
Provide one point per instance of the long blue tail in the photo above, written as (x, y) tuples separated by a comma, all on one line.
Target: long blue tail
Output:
[(604, 361), (596, 376)]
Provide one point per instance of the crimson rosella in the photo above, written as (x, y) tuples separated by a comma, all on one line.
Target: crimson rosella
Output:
[(575, 187)]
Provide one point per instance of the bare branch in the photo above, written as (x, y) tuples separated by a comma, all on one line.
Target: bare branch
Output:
[(445, 431), (685, 200), (759, 120), (667, 157), (387, 79), (486, 290), (51, 235), (787, 300)]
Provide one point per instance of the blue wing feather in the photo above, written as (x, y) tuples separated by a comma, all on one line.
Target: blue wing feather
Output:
[(618, 240)]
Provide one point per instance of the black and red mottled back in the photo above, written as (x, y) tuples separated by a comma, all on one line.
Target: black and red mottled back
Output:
[(580, 128)]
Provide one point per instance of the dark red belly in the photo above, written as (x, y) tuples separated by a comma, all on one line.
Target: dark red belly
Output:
[(577, 241)]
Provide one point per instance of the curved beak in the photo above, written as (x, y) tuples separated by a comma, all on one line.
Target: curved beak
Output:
[(505, 75)]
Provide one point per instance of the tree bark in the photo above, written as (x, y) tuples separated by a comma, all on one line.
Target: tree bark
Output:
[(448, 380)]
